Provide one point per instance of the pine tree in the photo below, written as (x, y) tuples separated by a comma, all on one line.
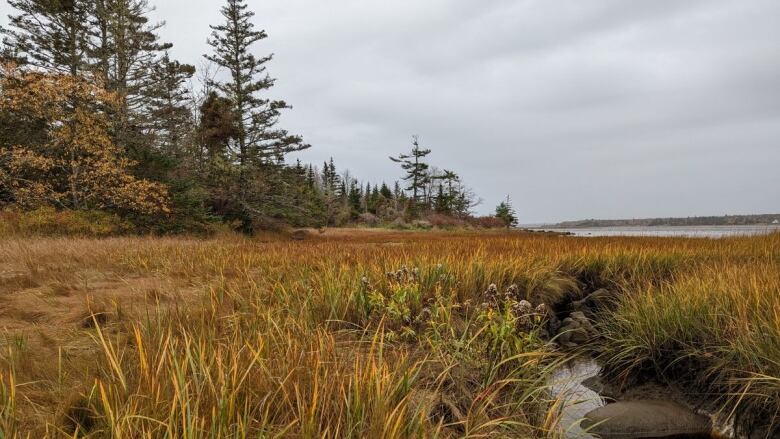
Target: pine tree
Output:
[(416, 171), (51, 35)]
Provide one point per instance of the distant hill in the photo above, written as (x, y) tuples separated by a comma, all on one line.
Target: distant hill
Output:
[(727, 220)]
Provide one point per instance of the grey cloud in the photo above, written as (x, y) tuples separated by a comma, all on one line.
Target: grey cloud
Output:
[(601, 108)]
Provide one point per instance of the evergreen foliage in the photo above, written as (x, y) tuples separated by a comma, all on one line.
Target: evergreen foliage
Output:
[(506, 213), (115, 124)]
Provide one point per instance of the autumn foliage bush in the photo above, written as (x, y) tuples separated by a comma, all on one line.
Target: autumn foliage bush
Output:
[(445, 221), (63, 155), (487, 222)]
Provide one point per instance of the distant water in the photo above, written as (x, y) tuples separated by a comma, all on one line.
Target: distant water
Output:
[(683, 231)]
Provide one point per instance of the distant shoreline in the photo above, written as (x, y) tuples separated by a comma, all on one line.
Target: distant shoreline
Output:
[(727, 220), (702, 231)]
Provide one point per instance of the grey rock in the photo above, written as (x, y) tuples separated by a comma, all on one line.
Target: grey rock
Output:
[(553, 325), (580, 336), (594, 383), (576, 329), (645, 419)]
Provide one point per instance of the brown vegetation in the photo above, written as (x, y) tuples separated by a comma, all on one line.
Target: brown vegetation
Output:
[(237, 337)]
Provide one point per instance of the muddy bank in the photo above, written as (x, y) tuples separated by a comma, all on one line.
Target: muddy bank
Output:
[(592, 409), (593, 405)]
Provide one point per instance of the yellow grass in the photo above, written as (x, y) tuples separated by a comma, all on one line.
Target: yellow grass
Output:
[(266, 337)]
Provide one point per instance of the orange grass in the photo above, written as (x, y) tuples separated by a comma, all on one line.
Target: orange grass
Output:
[(234, 337)]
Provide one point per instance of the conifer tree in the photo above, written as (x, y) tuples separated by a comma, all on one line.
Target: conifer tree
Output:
[(506, 213), (374, 200), (355, 200), (385, 192), (331, 184), (416, 171), (367, 201), (125, 48), (171, 119), (260, 146), (311, 178), (258, 139), (51, 35)]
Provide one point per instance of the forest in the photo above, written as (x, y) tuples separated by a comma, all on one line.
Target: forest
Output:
[(102, 131)]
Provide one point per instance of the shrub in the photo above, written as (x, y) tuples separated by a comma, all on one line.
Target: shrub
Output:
[(422, 224), (47, 221), (368, 219), (445, 221), (487, 222), (399, 224)]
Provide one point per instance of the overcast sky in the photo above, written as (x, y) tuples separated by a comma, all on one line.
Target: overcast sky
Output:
[(574, 108)]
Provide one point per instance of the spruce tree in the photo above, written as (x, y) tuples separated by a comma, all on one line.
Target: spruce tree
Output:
[(441, 202), (171, 119), (355, 200), (506, 213), (373, 206), (331, 188), (52, 35), (311, 178), (260, 146), (258, 139), (126, 47), (416, 172), (385, 192), (126, 51)]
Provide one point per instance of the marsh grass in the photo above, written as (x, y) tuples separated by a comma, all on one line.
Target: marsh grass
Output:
[(272, 338)]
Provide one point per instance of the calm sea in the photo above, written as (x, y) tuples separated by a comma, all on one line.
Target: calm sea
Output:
[(691, 231)]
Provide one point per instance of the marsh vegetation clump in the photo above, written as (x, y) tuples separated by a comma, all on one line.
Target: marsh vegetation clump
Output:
[(373, 334)]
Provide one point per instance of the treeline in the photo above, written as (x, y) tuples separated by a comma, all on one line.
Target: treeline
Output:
[(423, 192), (96, 116), (726, 220)]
